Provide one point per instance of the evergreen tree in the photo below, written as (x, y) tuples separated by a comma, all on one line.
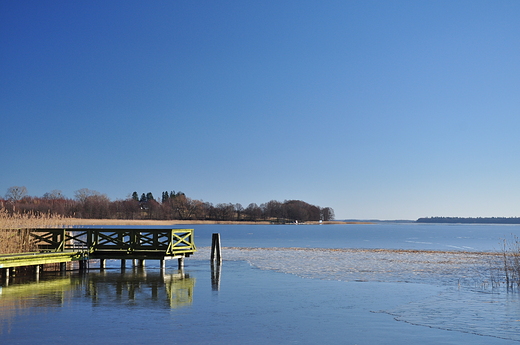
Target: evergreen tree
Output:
[(164, 197), (135, 196)]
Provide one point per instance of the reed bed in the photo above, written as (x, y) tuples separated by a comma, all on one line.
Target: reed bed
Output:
[(508, 272), (14, 234)]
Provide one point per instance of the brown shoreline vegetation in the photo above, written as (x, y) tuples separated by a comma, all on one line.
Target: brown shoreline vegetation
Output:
[(90, 204), (79, 221)]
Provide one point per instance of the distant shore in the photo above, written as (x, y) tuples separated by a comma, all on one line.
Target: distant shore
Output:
[(80, 221)]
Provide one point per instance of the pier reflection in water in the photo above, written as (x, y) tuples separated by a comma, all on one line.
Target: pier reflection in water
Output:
[(139, 288)]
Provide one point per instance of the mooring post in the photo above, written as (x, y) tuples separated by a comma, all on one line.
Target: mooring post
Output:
[(215, 276), (63, 266), (216, 254)]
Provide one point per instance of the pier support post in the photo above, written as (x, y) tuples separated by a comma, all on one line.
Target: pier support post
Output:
[(163, 264), (63, 266), (123, 264), (6, 276), (216, 254), (181, 263), (134, 263), (83, 265), (141, 263), (102, 263)]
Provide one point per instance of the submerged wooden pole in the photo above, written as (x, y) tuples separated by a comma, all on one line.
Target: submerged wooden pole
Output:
[(216, 251), (215, 276)]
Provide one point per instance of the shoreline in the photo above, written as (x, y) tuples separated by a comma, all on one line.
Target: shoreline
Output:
[(81, 221)]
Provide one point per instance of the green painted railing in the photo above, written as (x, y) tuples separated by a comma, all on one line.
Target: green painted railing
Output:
[(64, 245), (117, 243), (37, 258)]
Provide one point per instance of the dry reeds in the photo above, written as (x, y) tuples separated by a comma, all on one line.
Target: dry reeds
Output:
[(507, 270), (14, 236)]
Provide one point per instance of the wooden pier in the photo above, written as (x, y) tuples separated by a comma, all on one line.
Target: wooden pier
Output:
[(137, 244)]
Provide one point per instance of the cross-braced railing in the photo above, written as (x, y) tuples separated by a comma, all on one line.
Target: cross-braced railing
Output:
[(117, 242), (59, 240)]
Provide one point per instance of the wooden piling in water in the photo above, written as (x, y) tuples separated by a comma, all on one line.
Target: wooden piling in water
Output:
[(216, 251), (215, 276)]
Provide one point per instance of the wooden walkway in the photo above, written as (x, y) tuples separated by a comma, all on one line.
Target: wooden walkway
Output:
[(138, 244)]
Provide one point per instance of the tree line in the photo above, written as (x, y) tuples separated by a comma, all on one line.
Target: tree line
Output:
[(171, 205)]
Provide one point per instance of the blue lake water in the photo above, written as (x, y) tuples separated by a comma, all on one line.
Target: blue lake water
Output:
[(380, 235), (289, 284)]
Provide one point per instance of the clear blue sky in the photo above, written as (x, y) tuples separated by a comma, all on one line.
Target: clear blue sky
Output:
[(378, 109)]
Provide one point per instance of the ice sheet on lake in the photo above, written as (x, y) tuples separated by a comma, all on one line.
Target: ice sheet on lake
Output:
[(432, 267), (468, 304)]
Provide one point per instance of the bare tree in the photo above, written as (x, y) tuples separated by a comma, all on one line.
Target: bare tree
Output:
[(84, 193), (253, 211), (327, 214), (239, 209), (185, 207), (53, 195), (16, 193)]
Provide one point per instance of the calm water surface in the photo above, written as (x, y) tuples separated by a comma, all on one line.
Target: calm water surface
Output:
[(279, 295)]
